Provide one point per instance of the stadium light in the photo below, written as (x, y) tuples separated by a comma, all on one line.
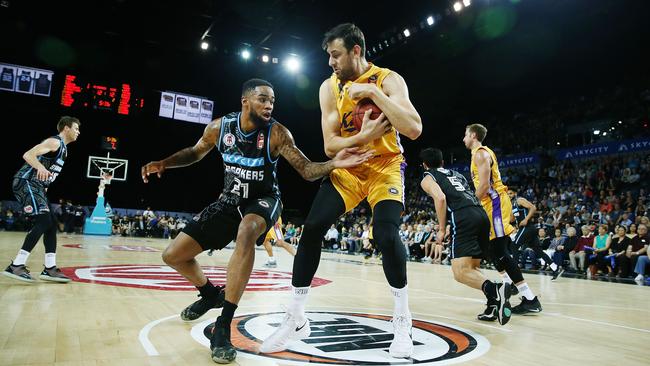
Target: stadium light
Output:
[(292, 64), (467, 3), (458, 6), (204, 45), (430, 20), (407, 32), (620, 122), (245, 54), (604, 133), (265, 58), (596, 132)]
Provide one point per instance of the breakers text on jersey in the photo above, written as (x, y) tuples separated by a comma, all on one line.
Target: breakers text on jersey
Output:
[(245, 173)]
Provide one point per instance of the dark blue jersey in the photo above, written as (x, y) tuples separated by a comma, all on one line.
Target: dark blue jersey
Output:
[(52, 161), (250, 172)]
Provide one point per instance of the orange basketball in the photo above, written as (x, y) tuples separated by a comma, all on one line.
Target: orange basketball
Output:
[(362, 106)]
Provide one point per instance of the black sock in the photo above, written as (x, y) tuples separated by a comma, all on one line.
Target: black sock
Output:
[(227, 313), (489, 289), (207, 290)]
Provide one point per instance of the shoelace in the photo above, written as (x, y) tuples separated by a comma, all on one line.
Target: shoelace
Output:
[(401, 324)]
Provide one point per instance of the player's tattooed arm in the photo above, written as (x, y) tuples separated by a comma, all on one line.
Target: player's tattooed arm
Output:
[(282, 143), (187, 156)]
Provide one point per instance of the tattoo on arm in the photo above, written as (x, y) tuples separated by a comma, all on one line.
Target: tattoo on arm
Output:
[(286, 146)]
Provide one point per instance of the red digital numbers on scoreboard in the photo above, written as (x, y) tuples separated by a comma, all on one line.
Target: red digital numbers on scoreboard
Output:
[(119, 99), (69, 90)]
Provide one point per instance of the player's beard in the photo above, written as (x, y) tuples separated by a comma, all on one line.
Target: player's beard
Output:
[(258, 121)]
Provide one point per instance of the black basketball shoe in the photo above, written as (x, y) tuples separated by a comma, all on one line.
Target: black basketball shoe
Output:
[(528, 306), (205, 303), (498, 306), (222, 350)]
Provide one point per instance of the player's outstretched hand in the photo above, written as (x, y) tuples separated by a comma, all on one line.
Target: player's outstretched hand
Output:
[(152, 167), (351, 157)]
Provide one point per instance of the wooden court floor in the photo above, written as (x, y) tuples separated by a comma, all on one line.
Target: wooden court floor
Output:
[(122, 309)]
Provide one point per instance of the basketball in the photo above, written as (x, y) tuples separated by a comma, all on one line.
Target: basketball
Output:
[(360, 109)]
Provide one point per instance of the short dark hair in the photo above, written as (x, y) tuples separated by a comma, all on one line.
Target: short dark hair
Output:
[(250, 85), (479, 130), (432, 157), (67, 121), (349, 33)]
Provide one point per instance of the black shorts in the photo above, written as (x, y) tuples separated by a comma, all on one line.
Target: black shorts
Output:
[(31, 196), (527, 237), (217, 224), (470, 233)]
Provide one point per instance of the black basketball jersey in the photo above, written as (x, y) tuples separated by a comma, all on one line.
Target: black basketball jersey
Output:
[(7, 78), (25, 81), (249, 169), (42, 84), (52, 161), (455, 187), (520, 212)]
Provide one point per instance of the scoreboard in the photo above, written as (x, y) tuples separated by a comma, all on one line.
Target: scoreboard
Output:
[(119, 98)]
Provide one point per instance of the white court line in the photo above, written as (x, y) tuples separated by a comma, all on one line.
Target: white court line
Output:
[(443, 295), (144, 335), (595, 306), (599, 322)]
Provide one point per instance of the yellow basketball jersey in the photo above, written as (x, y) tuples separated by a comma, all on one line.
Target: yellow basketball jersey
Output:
[(385, 146), (495, 177)]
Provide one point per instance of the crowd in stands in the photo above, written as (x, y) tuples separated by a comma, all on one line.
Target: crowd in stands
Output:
[(589, 215)]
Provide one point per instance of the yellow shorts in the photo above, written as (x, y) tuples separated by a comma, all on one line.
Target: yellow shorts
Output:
[(377, 180), (276, 232), (499, 210)]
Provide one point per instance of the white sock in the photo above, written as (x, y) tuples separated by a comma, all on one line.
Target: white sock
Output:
[(298, 302), (401, 299), (21, 258), (553, 266), (50, 260), (525, 291), (271, 259), (505, 277)]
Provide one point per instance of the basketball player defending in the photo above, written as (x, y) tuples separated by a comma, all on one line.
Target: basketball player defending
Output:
[(250, 143), (43, 164), (380, 180), (470, 228), (494, 199), (275, 237), (523, 211)]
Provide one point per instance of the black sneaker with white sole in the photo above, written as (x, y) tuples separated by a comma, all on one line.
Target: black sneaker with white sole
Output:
[(528, 306), (498, 306), (20, 273), (54, 274), (490, 312)]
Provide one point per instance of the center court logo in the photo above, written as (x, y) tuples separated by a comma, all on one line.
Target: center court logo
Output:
[(341, 338), (159, 277)]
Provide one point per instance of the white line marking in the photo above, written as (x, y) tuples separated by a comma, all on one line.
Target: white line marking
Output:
[(601, 323), (144, 335)]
